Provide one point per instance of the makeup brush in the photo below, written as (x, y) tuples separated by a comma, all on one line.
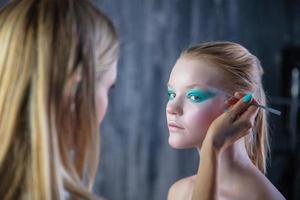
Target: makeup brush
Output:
[(271, 110)]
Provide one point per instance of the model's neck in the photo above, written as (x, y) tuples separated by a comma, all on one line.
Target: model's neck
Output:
[(230, 162), (234, 156)]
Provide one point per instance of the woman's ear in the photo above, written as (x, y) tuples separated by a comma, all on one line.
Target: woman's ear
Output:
[(71, 88)]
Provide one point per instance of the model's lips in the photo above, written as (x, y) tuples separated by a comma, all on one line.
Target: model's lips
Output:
[(174, 126)]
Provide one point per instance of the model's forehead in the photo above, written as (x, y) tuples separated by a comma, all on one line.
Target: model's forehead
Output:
[(189, 71)]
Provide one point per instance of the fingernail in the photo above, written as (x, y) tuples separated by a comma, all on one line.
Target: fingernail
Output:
[(247, 98)]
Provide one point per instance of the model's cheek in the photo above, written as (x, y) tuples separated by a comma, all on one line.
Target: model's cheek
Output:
[(198, 121)]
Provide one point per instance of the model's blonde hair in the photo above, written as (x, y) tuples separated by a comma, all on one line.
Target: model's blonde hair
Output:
[(242, 72), (48, 127)]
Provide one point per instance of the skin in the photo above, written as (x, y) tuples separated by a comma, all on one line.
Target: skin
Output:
[(225, 170), (102, 89), (193, 117)]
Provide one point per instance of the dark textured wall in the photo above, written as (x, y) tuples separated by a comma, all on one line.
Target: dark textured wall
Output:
[(136, 161)]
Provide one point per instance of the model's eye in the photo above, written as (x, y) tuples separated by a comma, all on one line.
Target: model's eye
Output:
[(171, 94), (197, 96)]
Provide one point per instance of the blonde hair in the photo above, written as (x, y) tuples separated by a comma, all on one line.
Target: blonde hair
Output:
[(49, 147), (243, 72)]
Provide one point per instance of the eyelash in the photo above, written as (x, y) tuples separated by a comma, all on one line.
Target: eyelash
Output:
[(112, 87), (196, 99)]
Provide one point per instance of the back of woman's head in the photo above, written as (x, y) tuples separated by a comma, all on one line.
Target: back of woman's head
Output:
[(52, 54), (242, 72)]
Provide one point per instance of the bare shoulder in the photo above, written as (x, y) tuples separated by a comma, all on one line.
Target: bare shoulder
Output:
[(267, 189), (182, 189), (263, 187)]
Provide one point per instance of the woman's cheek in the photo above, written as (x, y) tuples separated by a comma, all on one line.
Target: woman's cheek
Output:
[(101, 104)]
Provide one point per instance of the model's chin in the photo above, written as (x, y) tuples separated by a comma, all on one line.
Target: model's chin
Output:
[(177, 143), (176, 146)]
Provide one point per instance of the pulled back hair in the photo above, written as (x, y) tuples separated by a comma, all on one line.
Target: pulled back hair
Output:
[(242, 72), (49, 148)]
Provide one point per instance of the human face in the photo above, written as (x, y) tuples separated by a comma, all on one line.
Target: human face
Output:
[(192, 105), (102, 88)]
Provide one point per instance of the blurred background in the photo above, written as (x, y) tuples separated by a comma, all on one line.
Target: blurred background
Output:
[(136, 161)]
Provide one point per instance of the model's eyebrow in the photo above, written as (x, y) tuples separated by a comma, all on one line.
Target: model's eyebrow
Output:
[(196, 85), (192, 86)]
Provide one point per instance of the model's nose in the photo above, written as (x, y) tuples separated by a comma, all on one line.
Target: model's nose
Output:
[(174, 108)]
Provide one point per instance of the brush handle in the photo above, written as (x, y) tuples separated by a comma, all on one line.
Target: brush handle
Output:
[(271, 110)]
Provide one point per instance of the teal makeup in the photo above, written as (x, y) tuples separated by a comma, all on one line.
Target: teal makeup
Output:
[(195, 95), (171, 94), (198, 95)]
